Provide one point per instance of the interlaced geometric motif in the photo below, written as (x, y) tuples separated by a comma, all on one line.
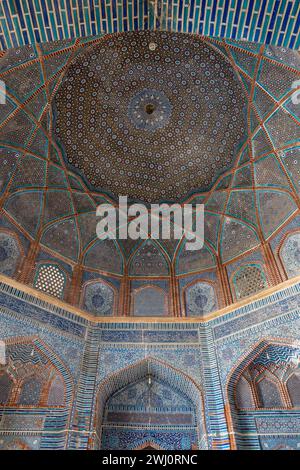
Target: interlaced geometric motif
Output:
[(291, 160), (275, 207), (236, 238), (153, 123), (278, 354), (104, 255), (26, 353), (99, 298), (149, 260), (249, 190), (198, 260), (200, 299)]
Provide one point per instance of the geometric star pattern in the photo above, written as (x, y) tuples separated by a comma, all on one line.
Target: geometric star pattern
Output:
[(252, 199)]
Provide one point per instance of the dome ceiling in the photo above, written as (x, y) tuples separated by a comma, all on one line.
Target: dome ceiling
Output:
[(154, 116), (49, 204)]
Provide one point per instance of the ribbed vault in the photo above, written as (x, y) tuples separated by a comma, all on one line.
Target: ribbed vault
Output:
[(52, 207)]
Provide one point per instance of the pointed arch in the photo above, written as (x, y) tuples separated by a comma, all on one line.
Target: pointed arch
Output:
[(188, 261), (236, 238), (199, 298), (105, 256), (62, 237), (25, 208), (148, 445), (158, 369), (149, 260)]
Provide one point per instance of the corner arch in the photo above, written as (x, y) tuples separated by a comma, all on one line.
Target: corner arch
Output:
[(51, 357), (271, 360)]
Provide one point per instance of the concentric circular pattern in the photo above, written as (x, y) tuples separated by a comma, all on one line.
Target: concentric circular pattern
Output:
[(149, 110), (162, 149)]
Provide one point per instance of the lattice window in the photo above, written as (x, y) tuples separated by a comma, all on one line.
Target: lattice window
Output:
[(248, 281), (50, 279), (293, 386)]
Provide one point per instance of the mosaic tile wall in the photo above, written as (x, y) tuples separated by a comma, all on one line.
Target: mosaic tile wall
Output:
[(234, 379), (269, 21), (134, 369), (199, 294)]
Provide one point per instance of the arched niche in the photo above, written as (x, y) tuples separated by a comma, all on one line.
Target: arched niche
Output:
[(33, 376), (200, 299), (99, 298), (262, 388), (149, 260), (148, 301), (289, 254), (175, 402), (33, 382)]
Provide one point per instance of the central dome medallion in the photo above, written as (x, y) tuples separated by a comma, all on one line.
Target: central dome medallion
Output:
[(151, 115), (149, 110)]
